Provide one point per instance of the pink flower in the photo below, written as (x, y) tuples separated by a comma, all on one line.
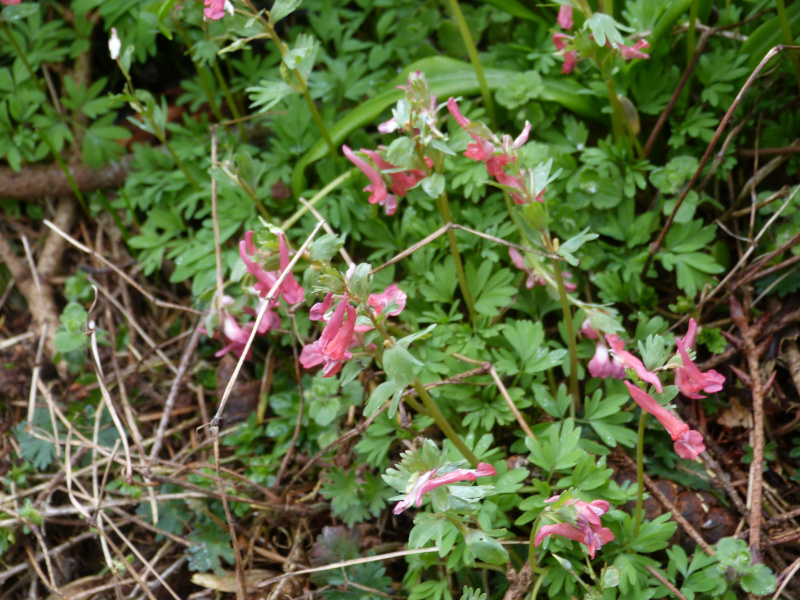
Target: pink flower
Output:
[(629, 52), (588, 330), (320, 308), (633, 363), (427, 481), (237, 336), (565, 17), (214, 9), (560, 40), (391, 294), (10, 2), (331, 349), (689, 379), (377, 189), (402, 181), (290, 290), (687, 442), (533, 277), (603, 366), (483, 148), (588, 529)]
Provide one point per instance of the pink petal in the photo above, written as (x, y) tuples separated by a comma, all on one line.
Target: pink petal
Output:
[(588, 330), (214, 10), (565, 17), (291, 291), (674, 426), (617, 345), (690, 445)]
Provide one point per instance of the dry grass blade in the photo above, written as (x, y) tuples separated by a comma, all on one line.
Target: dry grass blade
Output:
[(348, 563), (117, 270)]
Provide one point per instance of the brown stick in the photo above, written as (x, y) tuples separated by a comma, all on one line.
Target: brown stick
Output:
[(655, 246), (748, 334), (35, 181), (665, 582), (662, 119), (687, 527)]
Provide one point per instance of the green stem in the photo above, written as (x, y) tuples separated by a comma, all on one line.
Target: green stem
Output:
[(617, 114), (443, 423), (475, 59), (161, 135), (302, 87), (319, 196), (237, 115), (571, 342), (428, 402), (639, 474), (444, 209), (539, 582), (788, 38), (691, 43)]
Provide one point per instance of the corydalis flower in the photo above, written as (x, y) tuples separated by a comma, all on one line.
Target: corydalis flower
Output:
[(496, 154), (588, 529), (633, 363), (331, 349), (689, 379), (378, 194), (535, 278), (114, 44), (216, 9), (290, 290), (237, 335), (565, 17), (560, 41), (427, 481), (630, 52), (688, 443), (391, 296), (603, 365)]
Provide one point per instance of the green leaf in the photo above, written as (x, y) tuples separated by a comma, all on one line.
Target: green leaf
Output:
[(433, 185), (399, 365), (760, 581), (604, 27), (209, 544), (283, 8), (485, 548), (768, 35), (326, 246), (380, 395)]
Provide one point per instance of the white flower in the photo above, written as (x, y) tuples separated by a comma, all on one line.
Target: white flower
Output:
[(114, 44)]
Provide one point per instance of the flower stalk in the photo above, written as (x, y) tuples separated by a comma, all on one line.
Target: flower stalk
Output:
[(637, 520), (444, 209), (570, 326), (475, 59)]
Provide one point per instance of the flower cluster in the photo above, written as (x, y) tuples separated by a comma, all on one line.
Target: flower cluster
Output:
[(587, 528), (497, 154), (333, 346), (289, 291), (688, 378), (562, 42), (534, 276), (381, 171), (429, 480)]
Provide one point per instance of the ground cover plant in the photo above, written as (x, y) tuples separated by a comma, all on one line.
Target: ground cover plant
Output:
[(368, 299)]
